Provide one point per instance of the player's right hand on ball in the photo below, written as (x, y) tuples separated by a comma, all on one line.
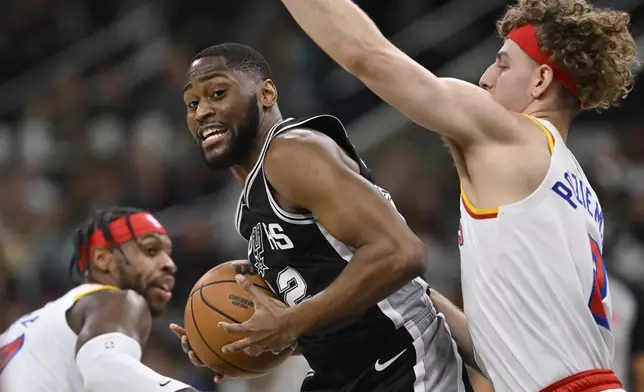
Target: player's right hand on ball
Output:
[(185, 346)]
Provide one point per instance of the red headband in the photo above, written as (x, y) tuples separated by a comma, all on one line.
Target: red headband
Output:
[(142, 223), (526, 37)]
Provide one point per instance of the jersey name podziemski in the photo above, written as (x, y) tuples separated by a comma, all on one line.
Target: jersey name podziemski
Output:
[(577, 193)]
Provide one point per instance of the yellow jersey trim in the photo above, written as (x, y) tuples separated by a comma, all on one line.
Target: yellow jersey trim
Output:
[(551, 139), (95, 289), (478, 213)]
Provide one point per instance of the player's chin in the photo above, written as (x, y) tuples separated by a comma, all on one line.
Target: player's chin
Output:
[(156, 308), (218, 157), (157, 300)]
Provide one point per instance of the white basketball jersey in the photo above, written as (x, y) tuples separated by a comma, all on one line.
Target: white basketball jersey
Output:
[(38, 352), (534, 284)]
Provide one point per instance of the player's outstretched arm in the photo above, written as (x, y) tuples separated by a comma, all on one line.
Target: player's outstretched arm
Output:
[(308, 170), (458, 327), (112, 326), (459, 110)]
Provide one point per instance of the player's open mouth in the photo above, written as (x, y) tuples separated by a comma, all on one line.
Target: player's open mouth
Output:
[(163, 290), (212, 134)]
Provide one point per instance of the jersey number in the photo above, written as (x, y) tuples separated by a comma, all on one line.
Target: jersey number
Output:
[(600, 286), (292, 285), (9, 351)]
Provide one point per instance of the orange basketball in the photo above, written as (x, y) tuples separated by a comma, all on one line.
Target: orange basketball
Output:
[(217, 297)]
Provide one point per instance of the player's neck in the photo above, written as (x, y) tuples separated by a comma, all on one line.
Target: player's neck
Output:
[(104, 280), (561, 119), (268, 121)]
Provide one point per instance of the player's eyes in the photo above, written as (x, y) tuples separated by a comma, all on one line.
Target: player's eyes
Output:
[(192, 104), (218, 94), (151, 251)]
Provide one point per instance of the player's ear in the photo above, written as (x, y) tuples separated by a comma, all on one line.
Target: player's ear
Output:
[(543, 79), (102, 259), (267, 93)]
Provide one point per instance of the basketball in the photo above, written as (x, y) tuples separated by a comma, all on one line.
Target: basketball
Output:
[(217, 297)]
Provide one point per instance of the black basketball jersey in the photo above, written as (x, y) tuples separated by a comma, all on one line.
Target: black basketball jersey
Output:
[(299, 258)]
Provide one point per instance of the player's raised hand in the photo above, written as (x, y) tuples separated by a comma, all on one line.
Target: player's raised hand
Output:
[(185, 346), (270, 328)]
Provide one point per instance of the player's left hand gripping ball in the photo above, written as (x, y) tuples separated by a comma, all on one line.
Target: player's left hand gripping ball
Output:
[(270, 328)]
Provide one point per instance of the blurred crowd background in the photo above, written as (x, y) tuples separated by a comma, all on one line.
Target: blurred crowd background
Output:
[(91, 115)]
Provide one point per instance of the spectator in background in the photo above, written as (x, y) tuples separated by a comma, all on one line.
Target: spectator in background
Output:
[(628, 329), (628, 253), (621, 244), (4, 280)]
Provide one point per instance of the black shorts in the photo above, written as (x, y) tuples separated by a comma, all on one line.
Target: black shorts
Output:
[(395, 378), (428, 363)]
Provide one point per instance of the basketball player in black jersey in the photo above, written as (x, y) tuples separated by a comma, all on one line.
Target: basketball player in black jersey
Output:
[(328, 241)]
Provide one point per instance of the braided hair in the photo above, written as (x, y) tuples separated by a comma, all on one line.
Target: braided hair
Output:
[(100, 220)]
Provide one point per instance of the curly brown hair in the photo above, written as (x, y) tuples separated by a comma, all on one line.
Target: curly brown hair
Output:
[(593, 45)]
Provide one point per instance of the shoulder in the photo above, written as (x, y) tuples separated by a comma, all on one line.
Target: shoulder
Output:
[(86, 289), (127, 299), (105, 312), (302, 156), (108, 304), (470, 92), (300, 136), (303, 165), (500, 125), (301, 143)]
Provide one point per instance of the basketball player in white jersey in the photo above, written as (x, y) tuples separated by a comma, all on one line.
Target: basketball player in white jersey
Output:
[(534, 286), (90, 339)]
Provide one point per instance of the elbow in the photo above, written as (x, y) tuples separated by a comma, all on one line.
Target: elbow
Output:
[(416, 259), (411, 259)]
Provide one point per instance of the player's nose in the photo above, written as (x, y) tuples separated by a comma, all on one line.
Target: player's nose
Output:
[(167, 265), (204, 111), (486, 79)]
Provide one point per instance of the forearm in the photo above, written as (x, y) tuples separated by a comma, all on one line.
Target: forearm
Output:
[(458, 327), (111, 362), (372, 275), (342, 30), (338, 27)]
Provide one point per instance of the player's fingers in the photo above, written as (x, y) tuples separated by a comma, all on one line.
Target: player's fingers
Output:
[(219, 378), (236, 328), (290, 346), (238, 345), (185, 344), (254, 351), (250, 288), (193, 358), (178, 330)]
